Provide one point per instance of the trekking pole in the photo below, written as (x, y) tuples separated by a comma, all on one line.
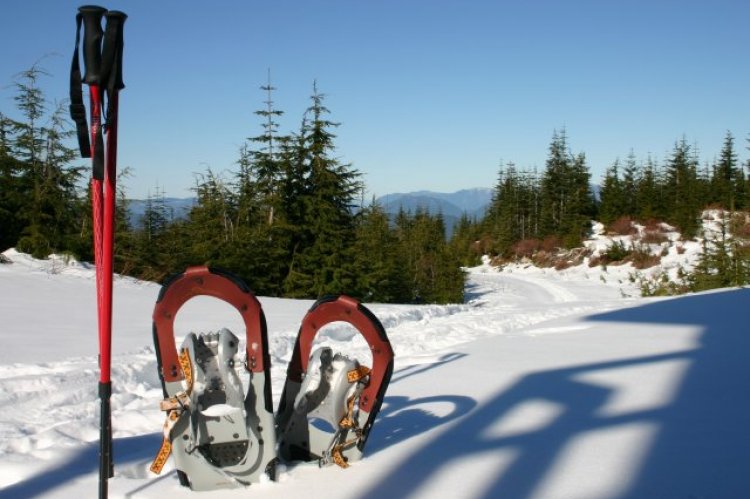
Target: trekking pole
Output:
[(102, 53), (112, 71)]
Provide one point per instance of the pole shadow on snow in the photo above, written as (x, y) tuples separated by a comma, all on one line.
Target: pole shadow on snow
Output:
[(408, 371), (401, 418), (701, 447), (128, 450)]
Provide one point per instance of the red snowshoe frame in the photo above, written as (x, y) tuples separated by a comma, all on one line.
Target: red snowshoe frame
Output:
[(208, 454), (297, 436), (197, 281)]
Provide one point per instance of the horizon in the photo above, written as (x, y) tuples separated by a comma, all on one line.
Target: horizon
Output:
[(431, 96)]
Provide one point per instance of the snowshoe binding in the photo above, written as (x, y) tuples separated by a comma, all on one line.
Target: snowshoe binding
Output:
[(219, 436), (330, 401)]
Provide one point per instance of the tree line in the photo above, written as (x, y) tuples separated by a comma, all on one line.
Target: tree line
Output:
[(291, 219), (535, 211)]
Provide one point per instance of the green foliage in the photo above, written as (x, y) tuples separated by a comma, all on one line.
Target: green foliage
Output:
[(433, 271), (466, 242), (381, 273), (566, 203), (612, 197), (291, 221), (39, 198), (724, 262), (681, 189)]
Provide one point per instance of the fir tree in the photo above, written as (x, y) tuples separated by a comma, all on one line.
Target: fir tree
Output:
[(566, 201), (612, 200), (433, 270), (11, 193), (465, 242), (50, 214), (649, 199), (330, 189), (380, 273), (630, 186), (681, 189)]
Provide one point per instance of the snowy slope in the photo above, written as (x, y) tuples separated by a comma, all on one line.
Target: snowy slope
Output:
[(544, 384)]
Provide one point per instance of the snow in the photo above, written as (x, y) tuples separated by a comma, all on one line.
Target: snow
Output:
[(544, 384)]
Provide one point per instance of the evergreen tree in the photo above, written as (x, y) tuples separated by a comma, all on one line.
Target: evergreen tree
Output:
[(681, 189), (566, 200), (266, 165), (330, 189), (728, 181), (514, 212), (465, 241), (724, 261), (505, 210), (612, 197), (153, 248), (211, 219), (50, 214), (380, 273), (630, 186), (11, 193), (649, 199), (433, 270)]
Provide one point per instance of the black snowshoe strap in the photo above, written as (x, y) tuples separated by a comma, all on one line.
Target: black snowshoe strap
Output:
[(77, 108)]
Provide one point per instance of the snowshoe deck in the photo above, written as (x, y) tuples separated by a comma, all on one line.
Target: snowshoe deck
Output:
[(219, 435), (330, 402)]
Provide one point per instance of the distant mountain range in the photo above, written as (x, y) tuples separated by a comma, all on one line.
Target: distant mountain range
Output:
[(452, 205), (178, 208)]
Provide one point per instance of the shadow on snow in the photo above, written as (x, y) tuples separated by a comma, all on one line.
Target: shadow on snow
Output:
[(701, 448), (129, 450)]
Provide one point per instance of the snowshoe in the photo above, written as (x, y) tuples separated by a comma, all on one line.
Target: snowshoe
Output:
[(219, 436), (330, 401)]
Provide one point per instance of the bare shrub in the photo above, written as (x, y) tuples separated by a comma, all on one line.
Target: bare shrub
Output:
[(643, 259), (654, 237), (623, 226), (563, 264), (526, 248), (551, 244), (740, 225), (653, 225)]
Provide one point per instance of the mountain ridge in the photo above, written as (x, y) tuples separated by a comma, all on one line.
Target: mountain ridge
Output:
[(451, 205)]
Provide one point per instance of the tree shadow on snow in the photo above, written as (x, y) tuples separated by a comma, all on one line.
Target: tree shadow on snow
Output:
[(129, 450), (701, 446)]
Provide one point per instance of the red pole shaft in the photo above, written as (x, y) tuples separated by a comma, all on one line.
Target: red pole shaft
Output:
[(97, 207), (108, 240)]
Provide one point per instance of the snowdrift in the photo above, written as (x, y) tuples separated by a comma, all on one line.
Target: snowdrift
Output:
[(543, 385)]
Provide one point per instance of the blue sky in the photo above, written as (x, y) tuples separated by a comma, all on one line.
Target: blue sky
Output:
[(431, 94)]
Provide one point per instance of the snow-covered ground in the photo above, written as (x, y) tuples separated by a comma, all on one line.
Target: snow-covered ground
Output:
[(544, 384)]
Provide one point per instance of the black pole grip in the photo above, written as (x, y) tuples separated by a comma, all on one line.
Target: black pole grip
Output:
[(92, 42), (113, 47)]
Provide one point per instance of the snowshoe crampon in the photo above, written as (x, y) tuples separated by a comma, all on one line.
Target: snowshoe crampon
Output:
[(330, 401), (219, 435)]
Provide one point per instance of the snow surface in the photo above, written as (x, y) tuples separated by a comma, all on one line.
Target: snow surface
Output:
[(544, 384)]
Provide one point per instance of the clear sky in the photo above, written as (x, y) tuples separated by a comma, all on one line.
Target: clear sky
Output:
[(431, 94)]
